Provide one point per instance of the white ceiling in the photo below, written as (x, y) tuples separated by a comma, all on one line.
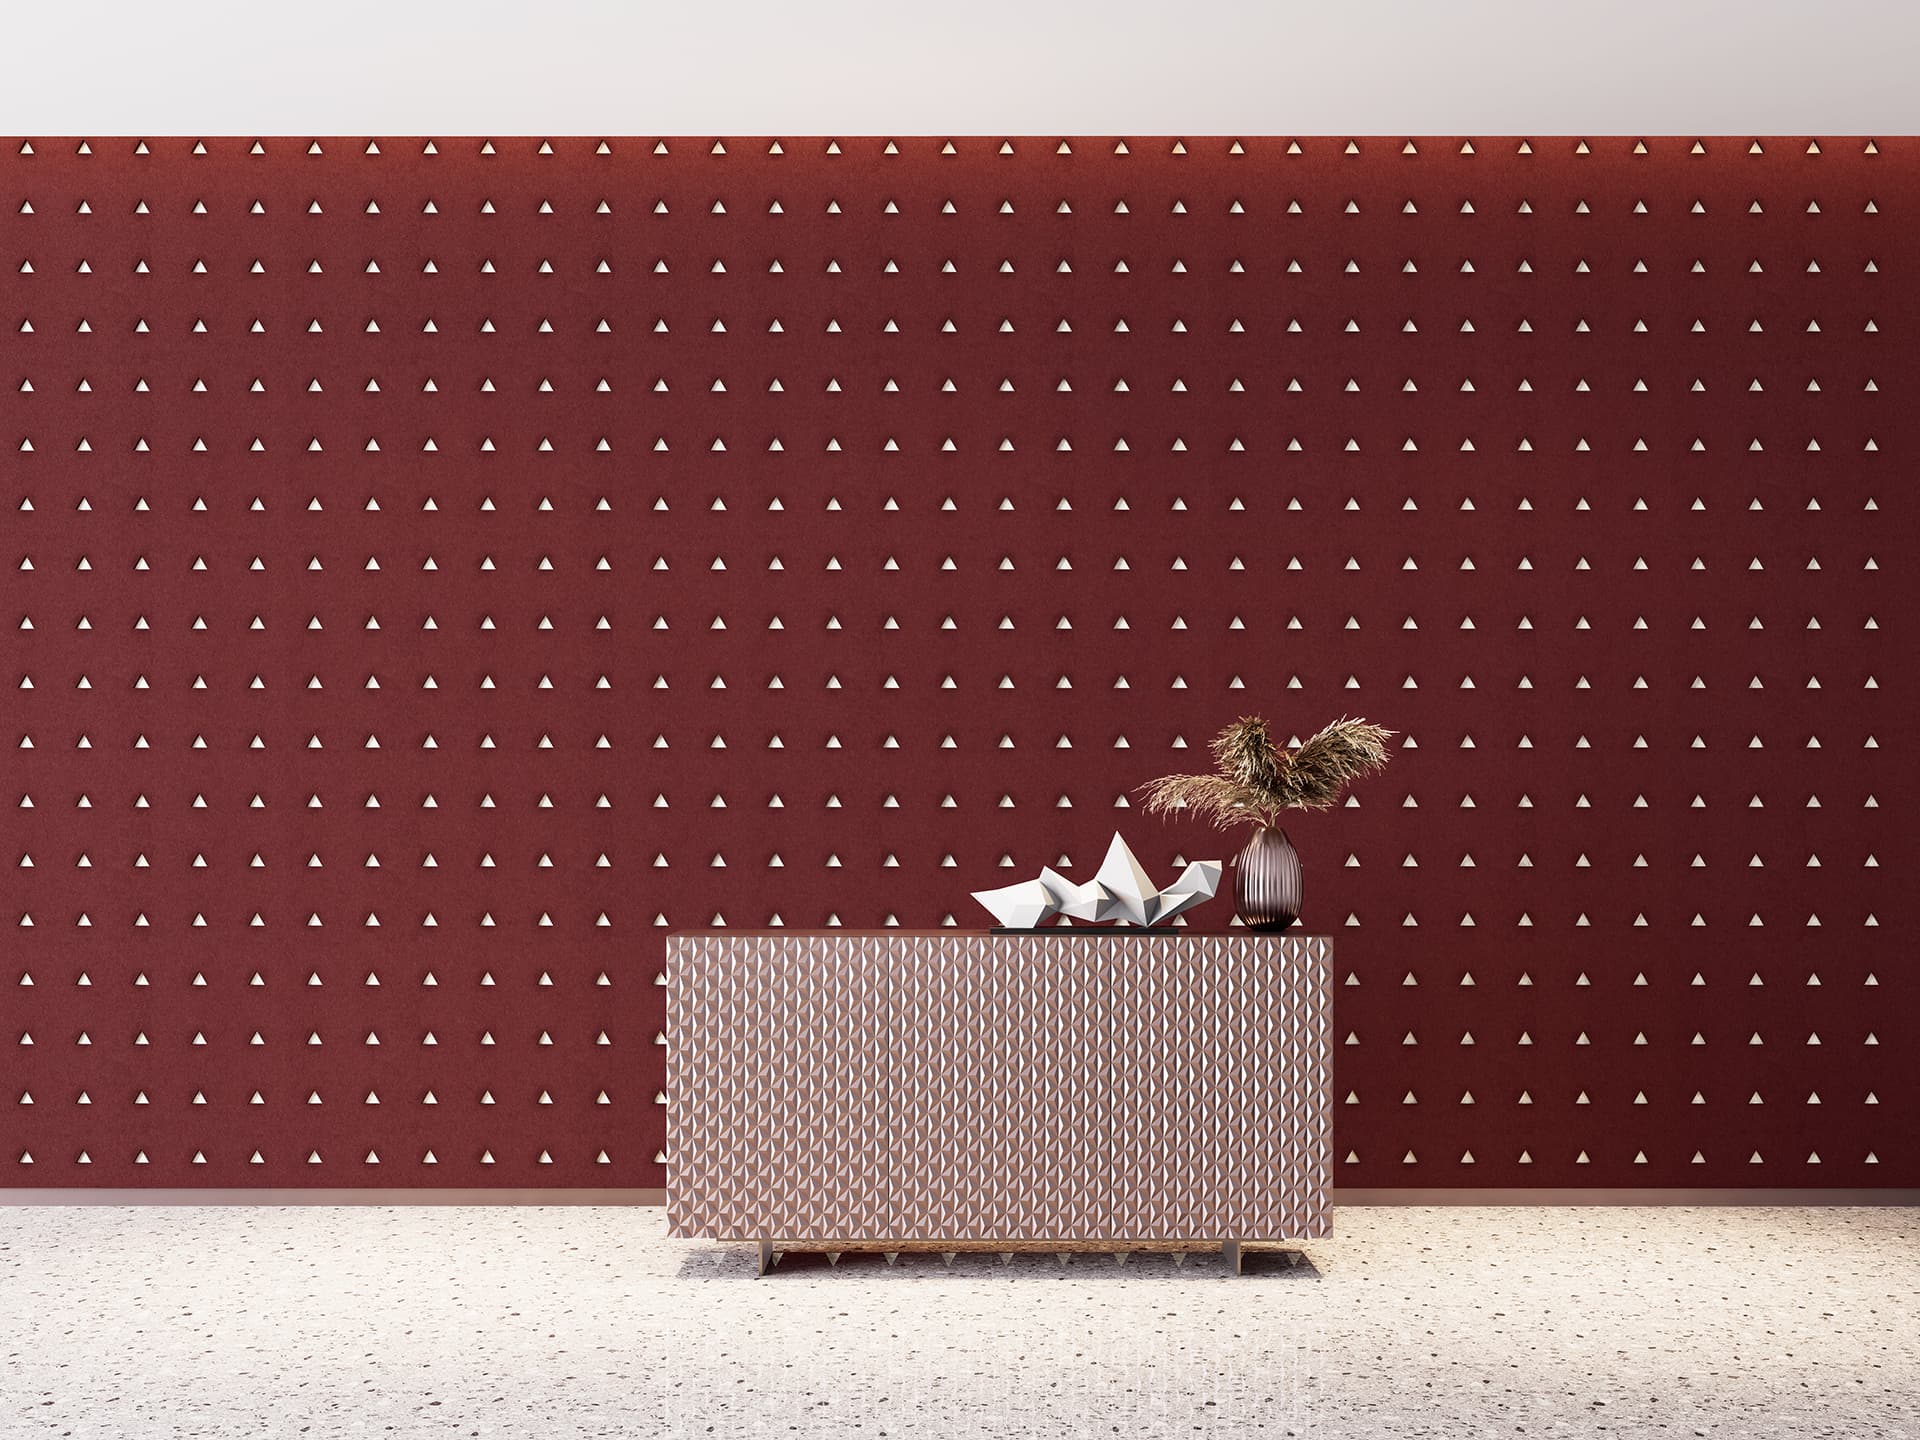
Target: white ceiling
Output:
[(961, 67)]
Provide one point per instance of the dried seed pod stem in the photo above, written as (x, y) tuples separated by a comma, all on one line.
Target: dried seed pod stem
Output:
[(1255, 780)]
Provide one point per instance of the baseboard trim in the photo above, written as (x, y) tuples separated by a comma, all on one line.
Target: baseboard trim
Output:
[(1544, 1196), (1342, 1196), (474, 1196)]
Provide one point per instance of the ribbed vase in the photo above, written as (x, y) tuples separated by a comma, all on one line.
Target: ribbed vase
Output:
[(1266, 880)]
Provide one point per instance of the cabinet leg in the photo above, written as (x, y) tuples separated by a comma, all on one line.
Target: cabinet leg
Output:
[(1230, 1256), (766, 1256)]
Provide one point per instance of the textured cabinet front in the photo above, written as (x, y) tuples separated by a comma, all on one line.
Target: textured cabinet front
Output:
[(964, 1086)]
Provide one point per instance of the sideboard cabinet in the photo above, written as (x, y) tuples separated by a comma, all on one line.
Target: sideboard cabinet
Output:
[(1072, 1085)]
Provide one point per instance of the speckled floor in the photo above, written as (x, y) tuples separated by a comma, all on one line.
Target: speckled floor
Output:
[(553, 1322)]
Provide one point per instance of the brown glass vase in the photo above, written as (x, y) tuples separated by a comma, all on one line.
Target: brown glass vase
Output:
[(1266, 881)]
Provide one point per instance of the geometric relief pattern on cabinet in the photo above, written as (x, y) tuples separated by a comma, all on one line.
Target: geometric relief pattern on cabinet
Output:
[(964, 1086), (785, 1087), (826, 1025), (950, 1122), (1280, 1021), (435, 568), (1222, 1091), (1054, 1171), (706, 999)]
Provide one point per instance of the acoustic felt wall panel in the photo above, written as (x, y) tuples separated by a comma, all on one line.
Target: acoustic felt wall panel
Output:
[(433, 569)]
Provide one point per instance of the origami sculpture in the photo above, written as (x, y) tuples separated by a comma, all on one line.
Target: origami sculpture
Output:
[(1119, 891)]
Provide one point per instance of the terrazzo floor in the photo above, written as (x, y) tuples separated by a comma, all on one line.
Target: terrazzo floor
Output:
[(573, 1321)]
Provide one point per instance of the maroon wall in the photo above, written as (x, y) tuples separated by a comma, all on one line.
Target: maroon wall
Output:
[(1586, 467)]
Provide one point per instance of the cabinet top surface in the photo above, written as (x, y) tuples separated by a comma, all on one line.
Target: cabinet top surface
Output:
[(1062, 932)]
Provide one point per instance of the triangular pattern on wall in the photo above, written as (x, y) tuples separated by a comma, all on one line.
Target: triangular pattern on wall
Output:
[(460, 561)]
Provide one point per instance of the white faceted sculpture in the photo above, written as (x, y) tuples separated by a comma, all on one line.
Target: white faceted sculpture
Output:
[(1076, 902), (1119, 891), (1196, 886), (1122, 878), (1019, 907)]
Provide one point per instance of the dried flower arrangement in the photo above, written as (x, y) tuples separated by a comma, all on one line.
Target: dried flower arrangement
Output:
[(1255, 781)]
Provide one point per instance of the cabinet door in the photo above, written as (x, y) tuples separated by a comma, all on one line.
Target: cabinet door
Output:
[(951, 1095), (1001, 1054), (1056, 1046), (1165, 1109), (819, 1088), (1301, 1063), (735, 1067), (777, 1088), (1255, 1086), (700, 1185), (1224, 1090)]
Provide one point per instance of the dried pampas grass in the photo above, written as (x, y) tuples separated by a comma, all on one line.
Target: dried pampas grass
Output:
[(1255, 780)]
